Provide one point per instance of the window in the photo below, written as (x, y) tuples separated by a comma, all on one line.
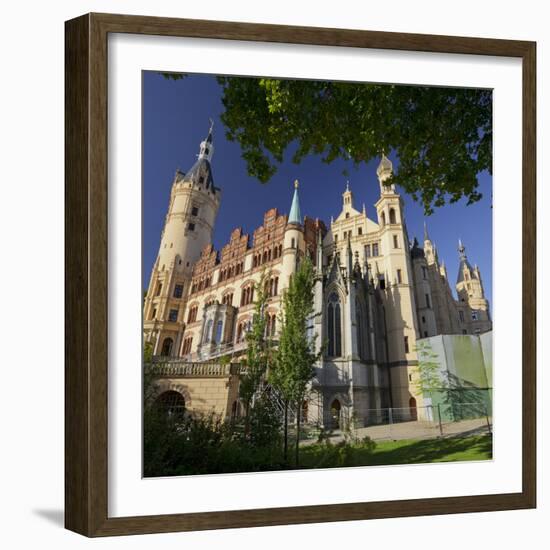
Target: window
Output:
[(159, 289), (424, 272), (187, 343), (195, 211), (395, 242), (382, 282), (178, 291), (461, 316), (475, 315), (154, 314), (375, 249), (173, 315), (167, 347), (345, 235), (206, 151), (347, 215), (359, 230), (406, 341), (463, 331), (293, 243), (428, 303), (383, 219), (219, 332), (201, 179), (247, 295), (399, 277), (423, 319), (207, 331), (367, 250), (392, 216), (334, 326), (425, 334), (192, 316), (335, 239), (191, 227)]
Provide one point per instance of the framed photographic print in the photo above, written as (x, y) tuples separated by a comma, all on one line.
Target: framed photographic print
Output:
[(291, 292)]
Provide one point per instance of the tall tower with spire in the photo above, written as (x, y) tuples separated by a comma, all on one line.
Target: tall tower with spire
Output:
[(188, 227), (294, 243)]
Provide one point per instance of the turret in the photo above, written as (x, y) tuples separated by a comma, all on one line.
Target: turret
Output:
[(188, 227), (294, 245)]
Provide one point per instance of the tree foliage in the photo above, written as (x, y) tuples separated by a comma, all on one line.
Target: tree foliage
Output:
[(258, 347), (441, 136), (293, 365)]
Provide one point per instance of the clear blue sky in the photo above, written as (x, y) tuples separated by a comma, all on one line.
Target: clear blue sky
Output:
[(175, 120)]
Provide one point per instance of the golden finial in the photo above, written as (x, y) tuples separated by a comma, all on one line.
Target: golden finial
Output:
[(295, 184)]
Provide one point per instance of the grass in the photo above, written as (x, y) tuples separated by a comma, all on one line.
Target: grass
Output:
[(408, 451)]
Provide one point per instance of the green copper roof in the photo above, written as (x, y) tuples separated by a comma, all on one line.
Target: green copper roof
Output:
[(295, 215)]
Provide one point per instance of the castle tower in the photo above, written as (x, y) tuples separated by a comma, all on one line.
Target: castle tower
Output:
[(469, 288), (397, 291), (293, 244), (188, 227)]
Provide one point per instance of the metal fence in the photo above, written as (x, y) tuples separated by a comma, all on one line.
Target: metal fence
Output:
[(442, 420)]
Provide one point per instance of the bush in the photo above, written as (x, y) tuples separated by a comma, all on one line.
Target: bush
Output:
[(204, 444)]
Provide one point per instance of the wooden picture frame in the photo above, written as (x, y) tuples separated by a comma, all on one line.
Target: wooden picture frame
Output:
[(86, 283)]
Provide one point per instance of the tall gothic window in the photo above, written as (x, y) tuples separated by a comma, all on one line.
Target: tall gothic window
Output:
[(219, 332), (207, 331), (359, 323), (334, 320)]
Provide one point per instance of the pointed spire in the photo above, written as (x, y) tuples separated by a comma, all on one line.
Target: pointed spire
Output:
[(426, 236), (364, 210), (210, 131), (461, 249), (207, 147), (295, 215)]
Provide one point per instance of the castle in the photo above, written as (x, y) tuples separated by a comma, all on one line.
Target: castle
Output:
[(376, 294)]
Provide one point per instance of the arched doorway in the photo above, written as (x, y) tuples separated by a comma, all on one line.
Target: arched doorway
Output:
[(304, 411), (167, 347), (412, 409), (171, 403), (335, 411)]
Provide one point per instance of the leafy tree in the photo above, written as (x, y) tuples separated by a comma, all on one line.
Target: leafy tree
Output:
[(442, 136), (257, 351), (293, 365)]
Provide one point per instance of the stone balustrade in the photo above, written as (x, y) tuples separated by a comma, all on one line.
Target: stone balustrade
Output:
[(175, 368)]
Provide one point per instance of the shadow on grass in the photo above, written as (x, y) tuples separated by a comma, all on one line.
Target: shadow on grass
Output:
[(408, 452), (430, 450)]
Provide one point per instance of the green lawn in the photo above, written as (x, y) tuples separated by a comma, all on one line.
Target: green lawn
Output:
[(479, 447)]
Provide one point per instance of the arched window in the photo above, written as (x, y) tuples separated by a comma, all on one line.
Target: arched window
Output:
[(207, 331), (383, 219), (167, 347), (293, 243), (334, 326), (219, 332), (171, 403), (392, 216)]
